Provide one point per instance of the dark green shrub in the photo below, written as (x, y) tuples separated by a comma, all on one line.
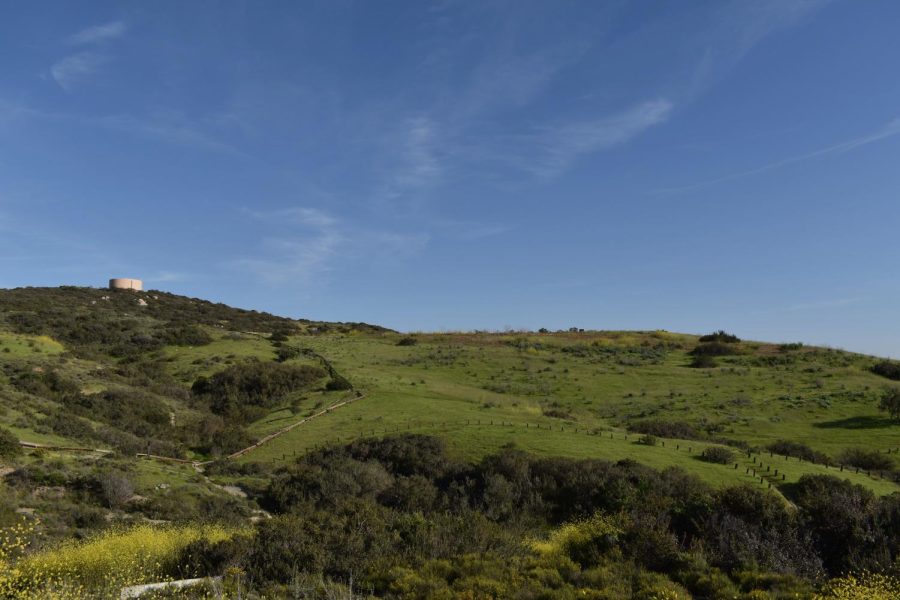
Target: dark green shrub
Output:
[(797, 449), (282, 334), (703, 361), (254, 383), (888, 369), (338, 383), (230, 439), (839, 516), (714, 349), (407, 341), (9, 444), (667, 429), (187, 335), (718, 454), (870, 460), (790, 347), (70, 426), (285, 353), (890, 402), (648, 440), (720, 336), (204, 558)]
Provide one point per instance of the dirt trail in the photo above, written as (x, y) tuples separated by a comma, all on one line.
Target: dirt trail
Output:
[(292, 426)]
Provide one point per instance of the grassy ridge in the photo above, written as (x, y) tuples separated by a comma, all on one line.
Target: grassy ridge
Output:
[(593, 381)]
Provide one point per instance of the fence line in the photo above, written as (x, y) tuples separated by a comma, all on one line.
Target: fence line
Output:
[(762, 476)]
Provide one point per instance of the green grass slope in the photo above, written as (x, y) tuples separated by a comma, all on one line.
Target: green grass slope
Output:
[(115, 370)]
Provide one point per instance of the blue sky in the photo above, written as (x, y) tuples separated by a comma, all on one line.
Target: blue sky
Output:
[(456, 165)]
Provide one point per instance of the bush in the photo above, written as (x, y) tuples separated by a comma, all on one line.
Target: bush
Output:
[(281, 334), (69, 426), (890, 402), (666, 429), (285, 353), (584, 541), (839, 517), (720, 336), (187, 335), (204, 557), (9, 444), (648, 440), (703, 361), (254, 383), (888, 369), (407, 341), (116, 488), (870, 460), (100, 566), (338, 383), (714, 349), (718, 454), (797, 449)]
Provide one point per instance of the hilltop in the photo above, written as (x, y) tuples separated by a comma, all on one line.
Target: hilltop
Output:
[(149, 405)]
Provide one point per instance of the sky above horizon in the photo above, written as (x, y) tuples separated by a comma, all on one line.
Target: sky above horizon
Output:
[(687, 166)]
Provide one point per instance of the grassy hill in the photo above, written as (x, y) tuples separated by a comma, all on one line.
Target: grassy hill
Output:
[(103, 378), (114, 370)]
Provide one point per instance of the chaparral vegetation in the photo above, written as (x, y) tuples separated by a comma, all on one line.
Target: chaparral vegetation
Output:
[(174, 438)]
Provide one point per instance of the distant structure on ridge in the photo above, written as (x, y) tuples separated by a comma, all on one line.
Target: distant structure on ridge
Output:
[(121, 283)]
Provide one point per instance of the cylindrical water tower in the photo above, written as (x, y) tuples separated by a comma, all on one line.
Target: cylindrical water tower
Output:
[(122, 283)]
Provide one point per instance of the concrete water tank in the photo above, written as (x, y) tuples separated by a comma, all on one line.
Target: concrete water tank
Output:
[(122, 283)]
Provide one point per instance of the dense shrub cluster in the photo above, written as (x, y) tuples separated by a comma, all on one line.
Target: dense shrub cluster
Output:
[(797, 449), (703, 361), (9, 444), (720, 336), (718, 454), (870, 460), (187, 335), (714, 349), (667, 429), (238, 389), (890, 402), (628, 355), (888, 369), (403, 519)]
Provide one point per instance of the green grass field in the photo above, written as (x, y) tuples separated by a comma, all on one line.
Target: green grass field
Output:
[(541, 387), (455, 386)]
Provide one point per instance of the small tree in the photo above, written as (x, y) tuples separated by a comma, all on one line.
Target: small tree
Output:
[(9, 444), (890, 402), (117, 488)]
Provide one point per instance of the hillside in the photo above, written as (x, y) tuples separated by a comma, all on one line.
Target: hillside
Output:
[(102, 379)]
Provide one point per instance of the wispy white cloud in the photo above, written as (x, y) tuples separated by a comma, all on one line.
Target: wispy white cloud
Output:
[(165, 277), (891, 129), (98, 33), (415, 169), (470, 230), (80, 66), (729, 32), (75, 68), (311, 242), (297, 215), (293, 260), (170, 129), (552, 149), (507, 80), (825, 304)]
